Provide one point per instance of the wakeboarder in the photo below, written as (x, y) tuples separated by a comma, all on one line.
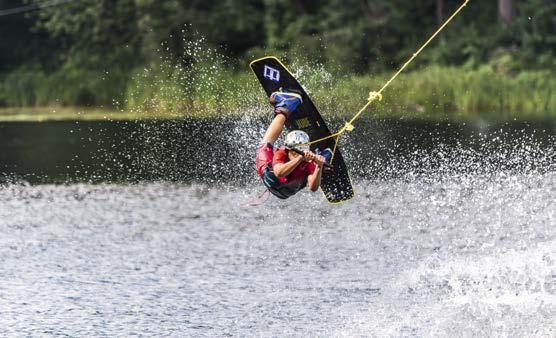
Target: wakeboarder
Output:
[(291, 168)]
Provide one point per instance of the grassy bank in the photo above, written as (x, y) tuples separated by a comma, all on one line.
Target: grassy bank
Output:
[(457, 94), (437, 93)]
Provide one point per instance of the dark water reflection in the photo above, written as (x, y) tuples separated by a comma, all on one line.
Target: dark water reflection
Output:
[(222, 151)]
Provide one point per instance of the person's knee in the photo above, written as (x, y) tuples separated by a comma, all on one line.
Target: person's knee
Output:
[(281, 115)]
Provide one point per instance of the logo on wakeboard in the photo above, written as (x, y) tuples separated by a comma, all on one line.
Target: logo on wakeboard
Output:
[(271, 73)]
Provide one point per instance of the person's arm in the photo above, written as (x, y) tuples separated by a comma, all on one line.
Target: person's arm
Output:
[(313, 180), (284, 169)]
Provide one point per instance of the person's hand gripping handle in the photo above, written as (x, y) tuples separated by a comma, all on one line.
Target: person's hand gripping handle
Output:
[(312, 157)]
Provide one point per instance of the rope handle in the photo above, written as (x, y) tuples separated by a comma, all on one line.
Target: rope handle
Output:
[(326, 165)]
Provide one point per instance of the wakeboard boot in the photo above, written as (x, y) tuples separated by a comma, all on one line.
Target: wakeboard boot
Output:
[(285, 102)]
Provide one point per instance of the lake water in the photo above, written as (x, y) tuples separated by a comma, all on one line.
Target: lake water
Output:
[(121, 229)]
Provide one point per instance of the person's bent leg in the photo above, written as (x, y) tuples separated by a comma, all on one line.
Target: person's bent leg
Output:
[(273, 131), (284, 104), (265, 151)]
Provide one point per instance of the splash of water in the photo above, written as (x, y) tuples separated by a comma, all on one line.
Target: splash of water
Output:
[(451, 232)]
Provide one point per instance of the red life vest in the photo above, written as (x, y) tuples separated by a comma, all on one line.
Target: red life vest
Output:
[(287, 186)]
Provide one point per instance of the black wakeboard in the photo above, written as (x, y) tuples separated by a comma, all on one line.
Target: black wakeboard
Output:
[(273, 75)]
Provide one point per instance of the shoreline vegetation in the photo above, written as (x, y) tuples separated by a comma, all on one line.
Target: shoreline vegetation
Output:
[(43, 114), (128, 60), (212, 90)]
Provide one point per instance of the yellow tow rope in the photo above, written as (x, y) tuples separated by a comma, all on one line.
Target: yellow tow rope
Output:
[(378, 95)]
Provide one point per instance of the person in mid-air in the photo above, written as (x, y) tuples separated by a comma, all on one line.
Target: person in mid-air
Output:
[(285, 172)]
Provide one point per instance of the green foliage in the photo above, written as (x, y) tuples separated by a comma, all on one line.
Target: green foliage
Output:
[(452, 93), (232, 25), (20, 44), (535, 32), (31, 86), (93, 34), (354, 35), (167, 56), (22, 87), (436, 92), (175, 89)]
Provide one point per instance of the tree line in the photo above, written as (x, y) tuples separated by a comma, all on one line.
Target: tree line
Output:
[(350, 36)]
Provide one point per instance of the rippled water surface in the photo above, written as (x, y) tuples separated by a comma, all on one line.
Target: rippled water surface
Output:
[(441, 240), (462, 256)]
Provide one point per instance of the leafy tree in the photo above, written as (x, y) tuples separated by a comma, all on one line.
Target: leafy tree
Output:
[(20, 44), (232, 25), (75, 43), (93, 34)]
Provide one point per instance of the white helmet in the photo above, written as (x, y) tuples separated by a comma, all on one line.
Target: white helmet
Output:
[(297, 139)]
